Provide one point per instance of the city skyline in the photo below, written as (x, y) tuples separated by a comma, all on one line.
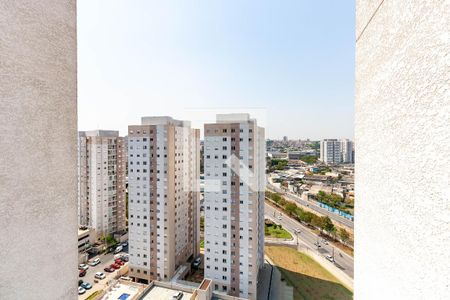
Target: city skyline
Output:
[(189, 58)]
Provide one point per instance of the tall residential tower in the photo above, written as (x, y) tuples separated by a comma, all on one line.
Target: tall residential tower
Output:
[(101, 181), (163, 186), (234, 203)]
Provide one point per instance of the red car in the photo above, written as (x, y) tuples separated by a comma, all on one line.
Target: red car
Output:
[(119, 262), (82, 273), (109, 269), (115, 266)]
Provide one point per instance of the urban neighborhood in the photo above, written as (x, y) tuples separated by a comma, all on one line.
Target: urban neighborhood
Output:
[(163, 212)]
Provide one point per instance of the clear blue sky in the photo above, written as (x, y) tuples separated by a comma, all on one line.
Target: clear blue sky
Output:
[(289, 62)]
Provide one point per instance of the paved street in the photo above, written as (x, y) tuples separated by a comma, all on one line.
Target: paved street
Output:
[(313, 205), (106, 260), (343, 261)]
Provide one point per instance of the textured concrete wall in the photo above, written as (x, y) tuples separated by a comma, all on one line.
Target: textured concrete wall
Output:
[(38, 128), (402, 149)]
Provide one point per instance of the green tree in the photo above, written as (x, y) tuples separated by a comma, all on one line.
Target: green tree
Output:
[(327, 225), (344, 235), (291, 208), (317, 221), (202, 223)]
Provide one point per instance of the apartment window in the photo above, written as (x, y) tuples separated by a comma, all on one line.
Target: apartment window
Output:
[(224, 139)]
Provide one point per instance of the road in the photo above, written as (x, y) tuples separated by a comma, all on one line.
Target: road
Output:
[(343, 261), (106, 260), (313, 205)]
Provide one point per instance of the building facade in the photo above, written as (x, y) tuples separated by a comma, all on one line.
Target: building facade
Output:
[(38, 123), (102, 159), (163, 186), (234, 204), (346, 151), (330, 151), (334, 151)]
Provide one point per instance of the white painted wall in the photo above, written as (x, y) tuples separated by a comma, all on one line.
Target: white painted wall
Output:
[(38, 146), (402, 150)]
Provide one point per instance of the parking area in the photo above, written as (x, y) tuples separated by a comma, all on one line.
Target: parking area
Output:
[(100, 284)]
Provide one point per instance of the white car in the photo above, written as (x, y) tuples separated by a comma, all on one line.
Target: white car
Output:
[(100, 275), (297, 231), (118, 249), (81, 290), (125, 278), (95, 262), (279, 217), (330, 258), (83, 267)]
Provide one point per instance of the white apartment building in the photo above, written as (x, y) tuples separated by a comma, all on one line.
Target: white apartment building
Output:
[(101, 181), (234, 154), (347, 151), (163, 187), (334, 151)]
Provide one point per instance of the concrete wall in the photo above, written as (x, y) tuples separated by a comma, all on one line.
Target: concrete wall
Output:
[(38, 127), (402, 149)]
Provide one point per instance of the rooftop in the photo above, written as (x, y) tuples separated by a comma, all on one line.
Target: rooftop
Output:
[(162, 293)]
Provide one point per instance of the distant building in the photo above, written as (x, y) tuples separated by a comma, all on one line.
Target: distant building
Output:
[(277, 155), (285, 139), (234, 204), (334, 151), (330, 151), (294, 155), (346, 151), (164, 203), (102, 162)]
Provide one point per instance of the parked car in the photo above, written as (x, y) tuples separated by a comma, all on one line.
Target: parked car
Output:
[(94, 262), (86, 285), (80, 282), (197, 262), (119, 262), (125, 244), (118, 249), (100, 275), (125, 257), (83, 267), (178, 295), (109, 269), (81, 290), (126, 278), (82, 273), (115, 266)]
